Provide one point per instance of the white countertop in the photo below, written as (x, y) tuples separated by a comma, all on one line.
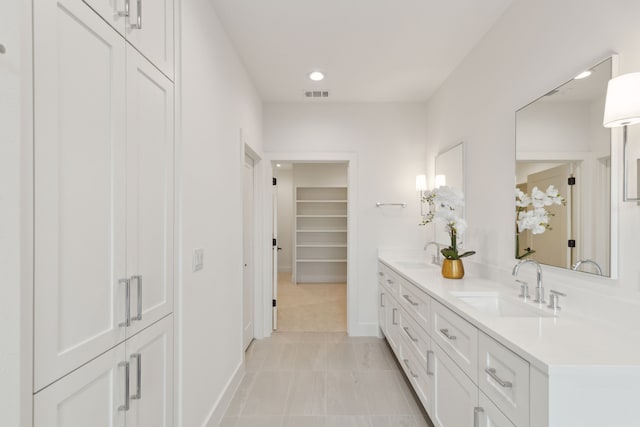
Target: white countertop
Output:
[(548, 343)]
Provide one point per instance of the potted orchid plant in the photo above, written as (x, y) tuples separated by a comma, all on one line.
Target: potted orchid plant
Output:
[(445, 204), (531, 213)]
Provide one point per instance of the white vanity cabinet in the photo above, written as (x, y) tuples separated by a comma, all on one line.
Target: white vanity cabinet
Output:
[(146, 24), (98, 394)]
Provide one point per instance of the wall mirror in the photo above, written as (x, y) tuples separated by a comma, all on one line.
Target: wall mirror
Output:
[(449, 171), (560, 142)]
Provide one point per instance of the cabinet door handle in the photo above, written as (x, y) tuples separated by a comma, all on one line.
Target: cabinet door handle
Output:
[(138, 358), (492, 373), (138, 24), (389, 281), (127, 303), (445, 332), (406, 362), (413, 303), (382, 299), (380, 273), (125, 12), (429, 353), (406, 331), (476, 416), (125, 407), (393, 316), (138, 280)]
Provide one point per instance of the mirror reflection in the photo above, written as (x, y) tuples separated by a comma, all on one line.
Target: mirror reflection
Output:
[(563, 176), (449, 171)]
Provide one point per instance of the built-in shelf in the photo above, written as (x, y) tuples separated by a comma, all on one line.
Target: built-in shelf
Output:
[(321, 234)]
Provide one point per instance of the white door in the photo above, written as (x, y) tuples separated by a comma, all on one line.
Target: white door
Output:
[(113, 11), (79, 86), (274, 253), (94, 395), (455, 396), (247, 252), (150, 29), (149, 191), (150, 356)]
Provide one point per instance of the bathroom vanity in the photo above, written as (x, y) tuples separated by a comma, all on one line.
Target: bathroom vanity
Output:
[(478, 355)]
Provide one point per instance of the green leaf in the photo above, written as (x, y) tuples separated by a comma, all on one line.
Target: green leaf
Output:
[(468, 253)]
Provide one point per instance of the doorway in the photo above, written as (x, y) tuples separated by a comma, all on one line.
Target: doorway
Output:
[(248, 214), (311, 252)]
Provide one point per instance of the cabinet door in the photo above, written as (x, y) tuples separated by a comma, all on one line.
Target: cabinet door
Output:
[(455, 395), (392, 323), (112, 11), (150, 354), (383, 298), (489, 415), (150, 30), (149, 191), (93, 395), (79, 89)]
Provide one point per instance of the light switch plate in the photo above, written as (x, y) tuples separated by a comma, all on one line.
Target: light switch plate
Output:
[(198, 259)]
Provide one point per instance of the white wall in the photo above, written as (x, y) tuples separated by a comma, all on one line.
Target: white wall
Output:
[(532, 49), (16, 141), (285, 220), (216, 99), (320, 174), (388, 140)]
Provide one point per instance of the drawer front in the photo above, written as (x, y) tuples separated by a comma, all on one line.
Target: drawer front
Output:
[(392, 322), (392, 282), (416, 303), (416, 372), (504, 378), (415, 336), (457, 337), (489, 415)]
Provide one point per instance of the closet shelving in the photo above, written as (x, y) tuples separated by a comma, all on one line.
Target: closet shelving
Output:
[(321, 234)]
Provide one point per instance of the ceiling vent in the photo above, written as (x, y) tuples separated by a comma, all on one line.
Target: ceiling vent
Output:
[(316, 93)]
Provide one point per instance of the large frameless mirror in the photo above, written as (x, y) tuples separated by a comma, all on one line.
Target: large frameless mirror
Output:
[(563, 176)]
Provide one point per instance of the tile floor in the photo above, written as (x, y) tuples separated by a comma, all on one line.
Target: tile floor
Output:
[(312, 379), (318, 307)]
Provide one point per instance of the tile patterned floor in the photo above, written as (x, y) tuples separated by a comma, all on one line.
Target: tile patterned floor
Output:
[(307, 379), (318, 307)]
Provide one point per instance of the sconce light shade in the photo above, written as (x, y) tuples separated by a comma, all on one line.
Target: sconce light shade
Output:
[(421, 183), (623, 101), (441, 180)]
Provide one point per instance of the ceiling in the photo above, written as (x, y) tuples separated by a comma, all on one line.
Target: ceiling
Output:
[(370, 50)]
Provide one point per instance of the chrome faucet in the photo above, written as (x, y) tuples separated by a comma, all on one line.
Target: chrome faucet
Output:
[(435, 259), (587, 261), (539, 289)]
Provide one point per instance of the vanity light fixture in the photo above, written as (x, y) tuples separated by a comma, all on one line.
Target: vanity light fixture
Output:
[(622, 108), (316, 76), (421, 186), (583, 75)]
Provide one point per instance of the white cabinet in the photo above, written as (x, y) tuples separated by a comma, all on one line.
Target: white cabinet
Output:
[(383, 298), (321, 235), (103, 189), (489, 415), (98, 394), (457, 337), (146, 24)]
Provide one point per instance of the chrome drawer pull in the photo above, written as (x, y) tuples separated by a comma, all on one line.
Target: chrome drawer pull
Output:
[(127, 303), (492, 373), (380, 273), (393, 316), (125, 13), (389, 281), (406, 362), (138, 280), (382, 299), (138, 358), (406, 331), (476, 416), (429, 353), (445, 332), (125, 407), (413, 303)]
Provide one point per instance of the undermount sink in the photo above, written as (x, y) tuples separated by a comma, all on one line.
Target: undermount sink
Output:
[(414, 264), (494, 304)]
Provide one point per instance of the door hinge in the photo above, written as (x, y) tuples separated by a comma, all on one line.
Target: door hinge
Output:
[(274, 181), (274, 242), (274, 303), (572, 243), (571, 180)]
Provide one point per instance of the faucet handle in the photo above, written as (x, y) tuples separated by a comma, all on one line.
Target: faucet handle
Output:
[(524, 289), (554, 299)]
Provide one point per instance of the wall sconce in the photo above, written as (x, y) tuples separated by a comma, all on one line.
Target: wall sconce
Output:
[(441, 181), (622, 108), (421, 186)]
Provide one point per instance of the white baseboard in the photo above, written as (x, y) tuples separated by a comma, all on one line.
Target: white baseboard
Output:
[(221, 406), (364, 330)]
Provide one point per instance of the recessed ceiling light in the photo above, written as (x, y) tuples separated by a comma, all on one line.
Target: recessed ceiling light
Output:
[(316, 76), (583, 75), (277, 165)]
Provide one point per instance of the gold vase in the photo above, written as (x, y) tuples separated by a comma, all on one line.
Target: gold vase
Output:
[(452, 269)]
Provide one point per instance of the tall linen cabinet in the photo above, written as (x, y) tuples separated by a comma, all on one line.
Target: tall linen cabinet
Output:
[(103, 220)]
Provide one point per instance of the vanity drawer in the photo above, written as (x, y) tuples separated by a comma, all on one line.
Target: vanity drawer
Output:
[(457, 337), (489, 415), (415, 336), (416, 303), (416, 372), (504, 378), (391, 281)]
